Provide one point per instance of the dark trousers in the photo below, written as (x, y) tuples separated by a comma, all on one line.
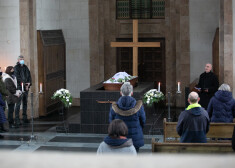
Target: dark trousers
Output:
[(137, 149), (11, 108), (24, 99)]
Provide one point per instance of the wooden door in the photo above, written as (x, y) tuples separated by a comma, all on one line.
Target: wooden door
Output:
[(52, 68), (151, 62)]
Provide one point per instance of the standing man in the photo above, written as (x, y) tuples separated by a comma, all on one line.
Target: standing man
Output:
[(193, 123), (23, 77), (207, 86)]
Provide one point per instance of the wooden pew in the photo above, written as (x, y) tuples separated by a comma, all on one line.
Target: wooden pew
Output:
[(191, 147), (216, 130)]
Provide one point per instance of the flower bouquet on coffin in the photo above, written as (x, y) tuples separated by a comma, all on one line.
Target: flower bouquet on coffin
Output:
[(64, 96), (153, 96)]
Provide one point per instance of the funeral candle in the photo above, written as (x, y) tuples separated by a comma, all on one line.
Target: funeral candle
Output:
[(40, 88), (22, 86), (178, 86), (159, 86)]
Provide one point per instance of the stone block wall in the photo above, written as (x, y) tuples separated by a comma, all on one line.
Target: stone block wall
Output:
[(9, 33), (72, 17), (203, 21)]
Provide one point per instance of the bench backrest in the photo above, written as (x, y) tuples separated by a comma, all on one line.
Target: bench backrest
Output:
[(192, 147), (217, 130)]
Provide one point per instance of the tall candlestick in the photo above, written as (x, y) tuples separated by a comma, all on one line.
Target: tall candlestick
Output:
[(159, 86), (22, 86), (40, 88), (178, 86)]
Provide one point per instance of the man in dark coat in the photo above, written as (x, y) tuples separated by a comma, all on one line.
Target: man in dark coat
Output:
[(132, 113), (23, 76), (207, 86), (193, 123)]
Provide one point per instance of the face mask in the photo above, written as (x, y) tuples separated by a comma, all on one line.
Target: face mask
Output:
[(22, 62), (12, 73)]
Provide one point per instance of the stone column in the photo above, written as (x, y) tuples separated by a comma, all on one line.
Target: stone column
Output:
[(28, 46), (182, 48), (226, 42), (96, 32)]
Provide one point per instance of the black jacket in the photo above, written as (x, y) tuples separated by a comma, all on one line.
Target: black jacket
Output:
[(22, 74), (207, 81)]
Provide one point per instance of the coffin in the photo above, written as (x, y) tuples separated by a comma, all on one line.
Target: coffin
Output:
[(117, 86)]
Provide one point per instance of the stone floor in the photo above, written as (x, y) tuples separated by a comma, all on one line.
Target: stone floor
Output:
[(48, 138)]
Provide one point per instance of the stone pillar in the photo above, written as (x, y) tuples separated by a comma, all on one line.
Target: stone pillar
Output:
[(96, 32), (226, 42), (182, 48), (28, 46), (170, 24)]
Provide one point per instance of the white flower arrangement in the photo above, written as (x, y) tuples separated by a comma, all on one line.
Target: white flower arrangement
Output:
[(64, 96), (153, 96)]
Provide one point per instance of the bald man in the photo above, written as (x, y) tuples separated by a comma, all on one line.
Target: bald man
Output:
[(208, 85), (193, 123)]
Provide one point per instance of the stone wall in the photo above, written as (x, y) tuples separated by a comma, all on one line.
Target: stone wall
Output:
[(72, 17), (104, 28), (226, 42), (9, 33), (48, 14), (204, 19)]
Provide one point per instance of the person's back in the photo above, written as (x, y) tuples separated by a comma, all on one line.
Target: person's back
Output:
[(117, 146), (193, 124), (133, 119), (132, 113), (116, 142), (222, 106)]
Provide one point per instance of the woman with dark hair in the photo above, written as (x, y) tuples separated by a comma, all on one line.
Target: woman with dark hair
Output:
[(116, 141), (14, 94)]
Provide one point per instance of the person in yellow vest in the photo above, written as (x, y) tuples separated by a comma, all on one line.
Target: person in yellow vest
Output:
[(193, 123)]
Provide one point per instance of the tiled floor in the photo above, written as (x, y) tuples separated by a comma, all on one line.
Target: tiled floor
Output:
[(49, 140)]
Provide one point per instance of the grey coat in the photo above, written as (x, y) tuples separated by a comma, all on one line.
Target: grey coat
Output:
[(126, 148)]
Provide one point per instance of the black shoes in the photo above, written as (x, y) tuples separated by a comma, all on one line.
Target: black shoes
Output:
[(26, 121), (3, 128)]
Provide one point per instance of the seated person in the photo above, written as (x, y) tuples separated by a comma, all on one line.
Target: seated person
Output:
[(193, 123), (116, 141), (222, 106)]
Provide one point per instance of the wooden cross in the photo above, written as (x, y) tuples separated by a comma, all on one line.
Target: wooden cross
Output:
[(135, 44)]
